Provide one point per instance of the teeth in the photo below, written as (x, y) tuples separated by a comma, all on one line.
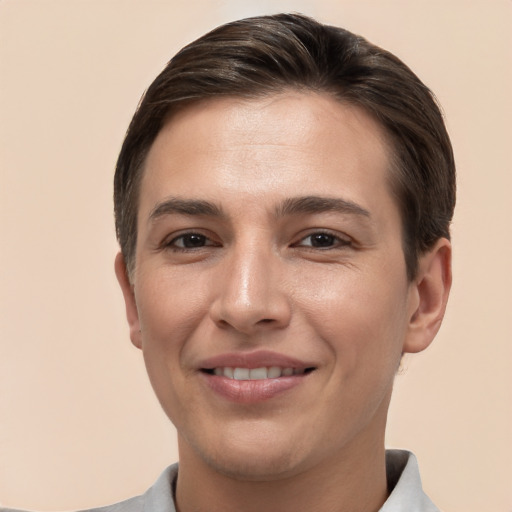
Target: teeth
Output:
[(258, 373), (273, 372), (241, 373)]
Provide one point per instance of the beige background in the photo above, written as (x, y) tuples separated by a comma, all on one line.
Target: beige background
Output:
[(79, 425)]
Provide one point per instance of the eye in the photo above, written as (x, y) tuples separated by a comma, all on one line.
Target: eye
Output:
[(190, 241), (323, 240)]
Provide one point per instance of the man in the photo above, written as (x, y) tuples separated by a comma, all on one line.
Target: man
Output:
[(283, 199)]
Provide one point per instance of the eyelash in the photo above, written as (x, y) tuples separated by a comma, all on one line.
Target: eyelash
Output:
[(176, 248), (337, 242)]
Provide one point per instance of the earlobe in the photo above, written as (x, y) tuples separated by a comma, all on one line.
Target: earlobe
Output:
[(132, 313), (429, 295)]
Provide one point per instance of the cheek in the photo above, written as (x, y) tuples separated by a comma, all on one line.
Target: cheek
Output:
[(166, 320), (169, 307), (170, 311), (360, 316)]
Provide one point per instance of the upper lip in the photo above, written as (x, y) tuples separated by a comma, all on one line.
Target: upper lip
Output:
[(258, 359)]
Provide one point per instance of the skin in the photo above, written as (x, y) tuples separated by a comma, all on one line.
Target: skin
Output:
[(326, 287)]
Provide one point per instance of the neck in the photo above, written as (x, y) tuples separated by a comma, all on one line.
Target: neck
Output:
[(352, 481)]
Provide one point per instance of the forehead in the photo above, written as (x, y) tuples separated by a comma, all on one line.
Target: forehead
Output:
[(300, 114), (266, 147)]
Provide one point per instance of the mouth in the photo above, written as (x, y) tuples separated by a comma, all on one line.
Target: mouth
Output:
[(253, 377), (262, 373)]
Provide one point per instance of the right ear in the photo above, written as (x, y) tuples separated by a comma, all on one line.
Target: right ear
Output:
[(132, 313)]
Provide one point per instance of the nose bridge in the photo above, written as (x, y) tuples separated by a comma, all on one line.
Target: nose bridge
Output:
[(250, 294), (250, 286)]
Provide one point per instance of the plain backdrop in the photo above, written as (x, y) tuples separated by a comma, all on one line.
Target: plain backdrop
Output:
[(79, 426)]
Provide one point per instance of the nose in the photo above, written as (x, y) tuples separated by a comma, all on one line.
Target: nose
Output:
[(251, 295)]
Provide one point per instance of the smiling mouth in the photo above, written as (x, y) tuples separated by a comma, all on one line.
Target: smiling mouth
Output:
[(263, 373)]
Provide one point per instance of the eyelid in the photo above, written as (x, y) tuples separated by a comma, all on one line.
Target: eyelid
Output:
[(169, 242), (341, 239)]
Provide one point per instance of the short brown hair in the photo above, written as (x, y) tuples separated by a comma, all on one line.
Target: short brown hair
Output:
[(265, 55)]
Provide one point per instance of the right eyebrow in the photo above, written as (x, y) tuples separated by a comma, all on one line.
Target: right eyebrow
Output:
[(174, 205)]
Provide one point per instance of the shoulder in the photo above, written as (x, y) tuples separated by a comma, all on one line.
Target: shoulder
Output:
[(158, 498), (135, 504)]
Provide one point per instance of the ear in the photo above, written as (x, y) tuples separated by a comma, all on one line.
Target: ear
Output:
[(132, 314), (429, 295)]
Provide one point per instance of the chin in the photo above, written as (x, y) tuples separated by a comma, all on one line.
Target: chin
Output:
[(259, 455), (261, 468)]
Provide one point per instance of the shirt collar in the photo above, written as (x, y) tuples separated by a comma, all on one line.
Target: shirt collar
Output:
[(404, 482)]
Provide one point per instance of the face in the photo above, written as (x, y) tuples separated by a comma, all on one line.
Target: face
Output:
[(270, 296)]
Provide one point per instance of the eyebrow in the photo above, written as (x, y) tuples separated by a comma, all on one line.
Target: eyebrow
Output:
[(290, 206), (185, 207), (319, 204)]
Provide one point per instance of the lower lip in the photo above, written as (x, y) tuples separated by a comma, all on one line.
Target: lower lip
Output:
[(251, 391)]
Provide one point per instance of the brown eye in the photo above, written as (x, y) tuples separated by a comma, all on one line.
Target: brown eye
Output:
[(190, 241), (323, 240)]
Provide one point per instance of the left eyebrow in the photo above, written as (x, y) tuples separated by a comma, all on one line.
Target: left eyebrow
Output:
[(319, 204)]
